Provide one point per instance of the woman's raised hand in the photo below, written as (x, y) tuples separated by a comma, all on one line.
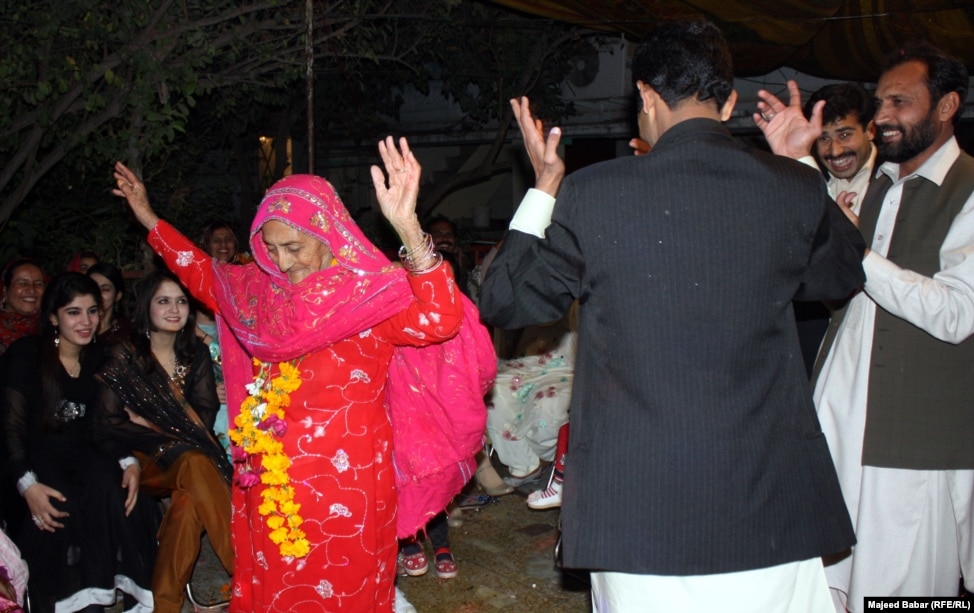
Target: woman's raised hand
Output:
[(133, 190), (397, 195)]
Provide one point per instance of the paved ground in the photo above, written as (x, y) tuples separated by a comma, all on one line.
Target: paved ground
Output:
[(504, 553)]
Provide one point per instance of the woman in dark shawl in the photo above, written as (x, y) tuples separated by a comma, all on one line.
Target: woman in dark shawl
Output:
[(160, 400)]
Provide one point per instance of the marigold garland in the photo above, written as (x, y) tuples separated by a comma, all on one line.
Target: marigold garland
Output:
[(259, 428)]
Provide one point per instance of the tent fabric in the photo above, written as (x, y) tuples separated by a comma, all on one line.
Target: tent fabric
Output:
[(834, 39)]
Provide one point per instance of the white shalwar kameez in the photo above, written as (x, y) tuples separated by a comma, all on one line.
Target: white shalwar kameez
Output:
[(913, 527)]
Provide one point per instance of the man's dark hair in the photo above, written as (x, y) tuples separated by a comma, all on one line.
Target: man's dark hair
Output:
[(683, 60), (842, 99), (440, 219), (945, 73)]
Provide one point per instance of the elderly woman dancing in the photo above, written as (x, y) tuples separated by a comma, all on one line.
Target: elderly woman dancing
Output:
[(324, 345)]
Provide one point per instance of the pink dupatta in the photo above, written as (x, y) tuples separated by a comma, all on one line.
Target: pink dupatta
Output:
[(434, 394)]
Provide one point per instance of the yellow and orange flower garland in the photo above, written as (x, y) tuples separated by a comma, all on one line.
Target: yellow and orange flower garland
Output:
[(259, 427)]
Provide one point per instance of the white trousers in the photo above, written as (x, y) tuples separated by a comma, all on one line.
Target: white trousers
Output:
[(913, 529), (796, 587)]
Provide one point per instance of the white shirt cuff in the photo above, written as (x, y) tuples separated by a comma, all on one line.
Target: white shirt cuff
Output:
[(29, 479), (127, 461), (809, 160), (534, 213)]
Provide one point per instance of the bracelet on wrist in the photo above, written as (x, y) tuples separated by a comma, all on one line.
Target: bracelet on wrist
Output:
[(425, 245), (421, 258), (428, 266)]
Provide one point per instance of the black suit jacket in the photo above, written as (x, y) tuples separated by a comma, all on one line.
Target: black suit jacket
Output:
[(695, 446)]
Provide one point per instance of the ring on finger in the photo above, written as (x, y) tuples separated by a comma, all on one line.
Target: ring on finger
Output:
[(38, 520), (766, 116)]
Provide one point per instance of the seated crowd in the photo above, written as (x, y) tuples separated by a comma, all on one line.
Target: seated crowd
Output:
[(139, 400), (92, 399)]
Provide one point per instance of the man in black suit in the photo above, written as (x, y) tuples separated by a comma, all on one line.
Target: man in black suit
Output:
[(699, 477)]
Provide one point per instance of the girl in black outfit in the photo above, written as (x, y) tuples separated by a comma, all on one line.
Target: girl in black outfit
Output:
[(80, 500)]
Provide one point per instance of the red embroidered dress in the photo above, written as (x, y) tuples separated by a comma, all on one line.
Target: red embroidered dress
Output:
[(339, 440)]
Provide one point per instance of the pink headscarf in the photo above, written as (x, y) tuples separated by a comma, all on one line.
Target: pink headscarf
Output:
[(434, 394)]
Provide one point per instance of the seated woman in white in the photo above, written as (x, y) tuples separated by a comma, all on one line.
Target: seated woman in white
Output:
[(531, 396)]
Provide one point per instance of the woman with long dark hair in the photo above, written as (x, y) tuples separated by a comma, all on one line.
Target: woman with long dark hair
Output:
[(79, 499), (115, 326), (159, 399)]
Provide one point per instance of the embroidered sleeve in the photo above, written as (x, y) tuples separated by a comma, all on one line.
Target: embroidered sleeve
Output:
[(187, 261), (433, 316)]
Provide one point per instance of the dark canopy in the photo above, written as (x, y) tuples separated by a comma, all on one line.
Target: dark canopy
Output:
[(834, 39)]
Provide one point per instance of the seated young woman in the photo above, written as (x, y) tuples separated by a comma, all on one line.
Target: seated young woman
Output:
[(72, 490), (159, 399)]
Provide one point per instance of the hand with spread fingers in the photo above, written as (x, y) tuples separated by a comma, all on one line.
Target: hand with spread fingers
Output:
[(398, 193), (549, 168), (785, 127)]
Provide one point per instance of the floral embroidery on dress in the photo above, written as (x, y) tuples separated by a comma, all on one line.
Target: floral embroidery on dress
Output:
[(340, 461), (340, 509), (360, 375), (184, 258), (524, 392), (324, 589)]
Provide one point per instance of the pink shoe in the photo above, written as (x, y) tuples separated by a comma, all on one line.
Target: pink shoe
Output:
[(548, 498)]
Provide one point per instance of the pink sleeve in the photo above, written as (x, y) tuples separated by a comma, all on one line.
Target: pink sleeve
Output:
[(189, 263), (433, 316), (10, 559)]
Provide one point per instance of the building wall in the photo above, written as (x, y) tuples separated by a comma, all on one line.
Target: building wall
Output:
[(600, 130)]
